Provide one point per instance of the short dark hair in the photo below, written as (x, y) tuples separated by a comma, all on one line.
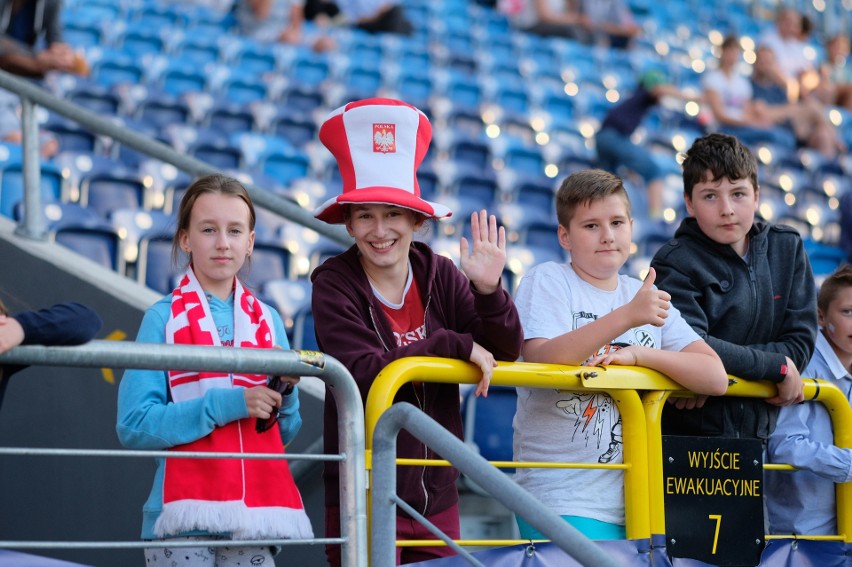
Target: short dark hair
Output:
[(584, 187), (830, 288), (723, 156)]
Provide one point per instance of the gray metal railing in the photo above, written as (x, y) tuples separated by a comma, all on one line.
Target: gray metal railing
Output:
[(384, 500), (115, 354), (31, 95)]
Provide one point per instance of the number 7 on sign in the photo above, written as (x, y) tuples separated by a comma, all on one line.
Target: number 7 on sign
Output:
[(718, 518)]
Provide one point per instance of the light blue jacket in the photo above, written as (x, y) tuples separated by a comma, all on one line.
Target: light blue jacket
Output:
[(148, 420), (803, 502)]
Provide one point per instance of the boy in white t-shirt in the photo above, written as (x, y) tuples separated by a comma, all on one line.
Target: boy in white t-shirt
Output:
[(585, 313)]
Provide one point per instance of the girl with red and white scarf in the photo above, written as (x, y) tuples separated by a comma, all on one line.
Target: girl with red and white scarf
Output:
[(214, 411)]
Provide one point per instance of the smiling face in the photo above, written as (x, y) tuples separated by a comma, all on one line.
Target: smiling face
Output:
[(219, 239), (598, 237), (383, 234), (724, 210), (836, 323)]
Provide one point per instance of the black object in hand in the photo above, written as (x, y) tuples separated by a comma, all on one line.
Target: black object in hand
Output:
[(283, 388)]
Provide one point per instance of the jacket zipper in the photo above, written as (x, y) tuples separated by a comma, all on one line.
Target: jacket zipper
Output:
[(423, 409)]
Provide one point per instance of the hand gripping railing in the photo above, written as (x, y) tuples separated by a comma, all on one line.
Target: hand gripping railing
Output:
[(114, 354)]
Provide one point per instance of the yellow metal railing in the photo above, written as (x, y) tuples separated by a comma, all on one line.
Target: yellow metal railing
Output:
[(640, 395)]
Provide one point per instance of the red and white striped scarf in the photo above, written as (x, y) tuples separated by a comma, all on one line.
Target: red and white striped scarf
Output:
[(248, 499)]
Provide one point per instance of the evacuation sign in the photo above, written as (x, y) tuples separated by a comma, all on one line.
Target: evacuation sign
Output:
[(713, 490)]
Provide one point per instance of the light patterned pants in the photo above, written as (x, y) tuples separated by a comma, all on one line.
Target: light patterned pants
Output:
[(206, 556)]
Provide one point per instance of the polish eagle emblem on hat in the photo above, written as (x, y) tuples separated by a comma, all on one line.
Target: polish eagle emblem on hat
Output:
[(384, 138)]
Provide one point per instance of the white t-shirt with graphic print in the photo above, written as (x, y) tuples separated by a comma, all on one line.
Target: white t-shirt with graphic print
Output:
[(562, 426)]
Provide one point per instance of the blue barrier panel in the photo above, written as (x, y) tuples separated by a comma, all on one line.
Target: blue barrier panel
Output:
[(630, 553), (638, 552)]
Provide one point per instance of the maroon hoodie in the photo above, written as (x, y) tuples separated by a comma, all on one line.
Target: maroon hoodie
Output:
[(351, 327)]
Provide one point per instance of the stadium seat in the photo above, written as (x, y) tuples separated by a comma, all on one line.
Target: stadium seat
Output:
[(57, 214), (253, 58), (133, 224), (105, 191), (311, 69), (289, 297), (304, 337), (488, 425), (12, 185), (154, 267), (160, 110), (285, 167), (229, 118), (100, 244), (183, 76), (70, 135), (118, 69), (198, 50), (269, 261), (220, 155), (243, 90), (139, 42), (302, 99), (96, 98), (295, 127)]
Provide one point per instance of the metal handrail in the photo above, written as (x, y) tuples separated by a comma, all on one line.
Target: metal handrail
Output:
[(31, 95), (116, 354), (644, 508)]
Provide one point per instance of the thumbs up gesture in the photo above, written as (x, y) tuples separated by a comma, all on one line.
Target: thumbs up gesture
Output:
[(650, 306)]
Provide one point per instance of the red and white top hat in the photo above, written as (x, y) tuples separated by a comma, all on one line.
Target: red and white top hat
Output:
[(378, 144)]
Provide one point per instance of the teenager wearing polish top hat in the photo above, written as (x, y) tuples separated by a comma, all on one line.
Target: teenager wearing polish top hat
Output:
[(388, 297)]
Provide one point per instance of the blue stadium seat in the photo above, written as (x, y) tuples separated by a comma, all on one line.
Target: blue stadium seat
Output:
[(295, 127), (12, 185), (302, 99), (182, 76), (220, 155), (229, 117), (142, 41), (133, 224), (289, 297), (104, 191), (254, 58), (304, 337), (96, 98), (70, 135), (269, 261), (244, 90), (285, 167), (312, 69), (198, 50), (57, 214), (117, 69), (100, 244), (488, 425), (79, 34), (154, 267), (824, 258), (159, 110)]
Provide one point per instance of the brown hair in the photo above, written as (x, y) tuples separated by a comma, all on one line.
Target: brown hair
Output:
[(722, 156), (584, 187), (842, 277), (214, 183)]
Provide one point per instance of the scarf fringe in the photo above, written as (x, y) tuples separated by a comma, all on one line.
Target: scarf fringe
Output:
[(234, 518)]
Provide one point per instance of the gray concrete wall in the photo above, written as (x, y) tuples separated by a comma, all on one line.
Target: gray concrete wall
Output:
[(90, 499)]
